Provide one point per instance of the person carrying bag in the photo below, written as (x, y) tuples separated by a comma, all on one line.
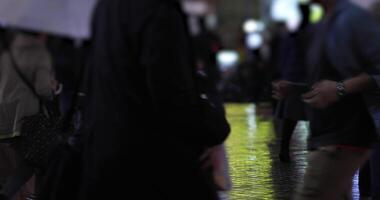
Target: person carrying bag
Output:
[(26, 54)]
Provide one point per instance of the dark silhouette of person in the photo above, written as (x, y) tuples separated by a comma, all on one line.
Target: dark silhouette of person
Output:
[(147, 126)]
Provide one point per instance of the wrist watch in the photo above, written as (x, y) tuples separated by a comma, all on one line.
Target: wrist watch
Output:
[(341, 89)]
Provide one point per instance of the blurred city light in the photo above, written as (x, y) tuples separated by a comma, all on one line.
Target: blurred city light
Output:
[(316, 13), (227, 59), (286, 11), (211, 21), (251, 26), (254, 40), (197, 8)]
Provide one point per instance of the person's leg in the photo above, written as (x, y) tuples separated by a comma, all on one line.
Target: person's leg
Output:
[(7, 162), (329, 174), (20, 174), (375, 173), (17, 180), (365, 180), (26, 191), (287, 128), (7, 165)]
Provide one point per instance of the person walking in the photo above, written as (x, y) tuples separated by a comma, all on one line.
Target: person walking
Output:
[(369, 176), (29, 53), (148, 129), (343, 72), (291, 67)]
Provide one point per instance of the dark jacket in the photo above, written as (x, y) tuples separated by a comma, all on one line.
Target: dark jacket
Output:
[(146, 123)]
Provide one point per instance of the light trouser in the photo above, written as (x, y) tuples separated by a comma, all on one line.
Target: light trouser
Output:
[(330, 173)]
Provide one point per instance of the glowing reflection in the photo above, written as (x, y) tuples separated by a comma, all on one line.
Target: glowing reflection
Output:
[(250, 160), (255, 169)]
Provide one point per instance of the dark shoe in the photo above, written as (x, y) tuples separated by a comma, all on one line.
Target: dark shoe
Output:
[(284, 157)]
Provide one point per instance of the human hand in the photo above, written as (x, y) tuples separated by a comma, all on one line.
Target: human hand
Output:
[(322, 95), (281, 89), (206, 159), (54, 84)]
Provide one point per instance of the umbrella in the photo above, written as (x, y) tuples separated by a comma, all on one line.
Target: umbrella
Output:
[(70, 18)]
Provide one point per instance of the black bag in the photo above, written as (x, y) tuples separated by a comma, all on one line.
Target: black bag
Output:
[(42, 133)]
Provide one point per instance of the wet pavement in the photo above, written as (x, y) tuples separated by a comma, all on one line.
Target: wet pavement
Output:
[(253, 147)]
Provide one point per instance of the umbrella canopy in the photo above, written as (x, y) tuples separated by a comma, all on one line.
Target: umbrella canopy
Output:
[(70, 18)]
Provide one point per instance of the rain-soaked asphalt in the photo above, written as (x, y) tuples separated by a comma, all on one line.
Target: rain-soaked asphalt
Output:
[(252, 147)]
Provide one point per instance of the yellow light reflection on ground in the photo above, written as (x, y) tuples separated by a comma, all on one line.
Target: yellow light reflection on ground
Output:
[(249, 154), (253, 146)]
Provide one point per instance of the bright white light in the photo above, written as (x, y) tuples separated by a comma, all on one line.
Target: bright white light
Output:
[(254, 41), (287, 11), (293, 21), (227, 59), (251, 26), (197, 8)]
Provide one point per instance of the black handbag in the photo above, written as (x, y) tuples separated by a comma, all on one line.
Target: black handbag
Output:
[(40, 137), (42, 133)]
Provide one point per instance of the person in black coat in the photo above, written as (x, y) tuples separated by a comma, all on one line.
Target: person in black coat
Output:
[(147, 126), (292, 67)]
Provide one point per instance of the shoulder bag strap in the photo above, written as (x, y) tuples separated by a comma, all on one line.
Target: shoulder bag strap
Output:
[(7, 48), (21, 75)]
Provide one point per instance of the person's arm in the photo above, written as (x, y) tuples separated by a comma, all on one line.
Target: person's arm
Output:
[(358, 84), (364, 32), (326, 92), (43, 77)]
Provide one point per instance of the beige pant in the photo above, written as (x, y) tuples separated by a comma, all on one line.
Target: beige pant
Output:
[(330, 172)]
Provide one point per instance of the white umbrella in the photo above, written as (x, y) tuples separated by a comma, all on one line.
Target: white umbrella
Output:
[(70, 18)]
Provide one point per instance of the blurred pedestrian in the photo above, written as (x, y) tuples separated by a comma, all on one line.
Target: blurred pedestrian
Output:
[(206, 45), (148, 127), (369, 176), (292, 67), (343, 70), (26, 52)]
